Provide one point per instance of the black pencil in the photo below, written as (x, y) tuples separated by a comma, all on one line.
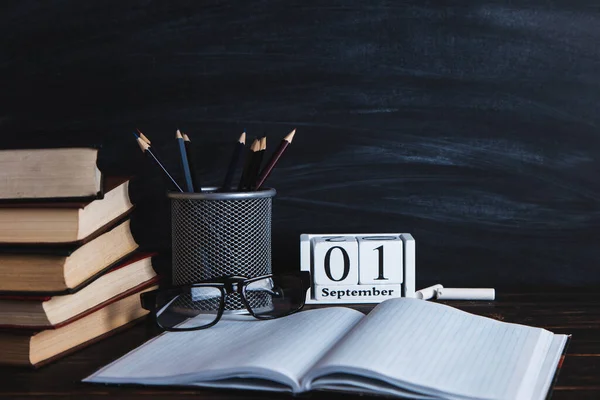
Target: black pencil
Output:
[(250, 158), (192, 162), (233, 164), (185, 166), (146, 150), (260, 155)]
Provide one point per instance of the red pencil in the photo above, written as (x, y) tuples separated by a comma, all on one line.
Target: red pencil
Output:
[(264, 174)]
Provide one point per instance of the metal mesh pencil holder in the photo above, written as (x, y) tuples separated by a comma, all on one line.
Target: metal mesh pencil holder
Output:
[(217, 234)]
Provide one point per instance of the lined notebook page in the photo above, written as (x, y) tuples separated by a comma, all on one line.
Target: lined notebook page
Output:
[(274, 349), (438, 350)]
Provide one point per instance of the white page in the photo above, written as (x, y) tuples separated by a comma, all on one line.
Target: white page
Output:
[(549, 367), (437, 350), (281, 349), (361, 385)]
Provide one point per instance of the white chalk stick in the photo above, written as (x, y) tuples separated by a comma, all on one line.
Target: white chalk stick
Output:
[(465, 294), (428, 292)]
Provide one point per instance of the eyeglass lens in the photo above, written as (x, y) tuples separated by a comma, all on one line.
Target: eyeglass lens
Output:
[(199, 306), (196, 306), (274, 296)]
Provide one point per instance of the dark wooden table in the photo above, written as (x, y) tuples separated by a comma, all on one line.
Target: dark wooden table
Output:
[(574, 313)]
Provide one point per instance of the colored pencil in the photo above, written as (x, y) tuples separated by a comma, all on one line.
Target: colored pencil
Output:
[(189, 149), (143, 137), (250, 158), (185, 166), (145, 147), (235, 160), (264, 174)]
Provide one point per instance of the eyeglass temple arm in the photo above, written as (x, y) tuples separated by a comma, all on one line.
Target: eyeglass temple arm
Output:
[(148, 300), (305, 278)]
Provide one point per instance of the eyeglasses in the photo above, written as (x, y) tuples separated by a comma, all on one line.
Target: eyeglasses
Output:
[(201, 305)]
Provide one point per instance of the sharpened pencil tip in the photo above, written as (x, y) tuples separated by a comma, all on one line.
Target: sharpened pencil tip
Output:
[(143, 145), (178, 134), (242, 139), (263, 143), (255, 145), (186, 137), (144, 138), (290, 136)]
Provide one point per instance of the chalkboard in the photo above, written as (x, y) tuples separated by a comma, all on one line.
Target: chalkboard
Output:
[(472, 126)]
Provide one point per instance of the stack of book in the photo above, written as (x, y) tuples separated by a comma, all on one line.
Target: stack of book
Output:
[(70, 272)]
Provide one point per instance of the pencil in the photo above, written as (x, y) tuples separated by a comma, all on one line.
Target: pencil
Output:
[(154, 150), (191, 162), (185, 166), (146, 150), (264, 174), (260, 155), (144, 138), (250, 156), (235, 160)]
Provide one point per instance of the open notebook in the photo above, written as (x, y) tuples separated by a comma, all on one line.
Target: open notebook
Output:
[(404, 347)]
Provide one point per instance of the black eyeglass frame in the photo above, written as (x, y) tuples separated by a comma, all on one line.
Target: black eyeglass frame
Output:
[(226, 285)]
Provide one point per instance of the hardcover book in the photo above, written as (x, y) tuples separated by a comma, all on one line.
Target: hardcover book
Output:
[(36, 348), (63, 173), (56, 270), (37, 313), (62, 221)]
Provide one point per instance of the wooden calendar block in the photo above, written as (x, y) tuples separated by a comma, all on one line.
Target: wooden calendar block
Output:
[(410, 262), (380, 259), (335, 260), (345, 268)]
